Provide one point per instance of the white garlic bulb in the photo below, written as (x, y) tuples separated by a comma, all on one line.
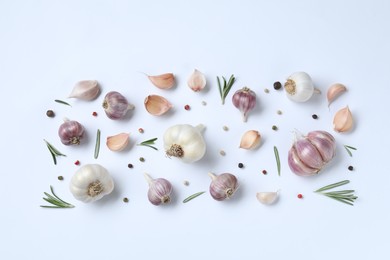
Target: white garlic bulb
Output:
[(299, 87)]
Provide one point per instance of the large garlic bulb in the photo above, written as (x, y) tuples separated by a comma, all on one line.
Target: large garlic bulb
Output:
[(185, 142), (91, 182), (299, 87)]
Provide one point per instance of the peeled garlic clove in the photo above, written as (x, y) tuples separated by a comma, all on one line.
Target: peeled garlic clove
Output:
[(163, 81), (250, 140), (343, 120), (85, 90), (267, 197), (334, 91), (197, 81), (118, 142), (157, 105)]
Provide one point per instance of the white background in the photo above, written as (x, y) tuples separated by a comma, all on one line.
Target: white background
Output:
[(47, 46)]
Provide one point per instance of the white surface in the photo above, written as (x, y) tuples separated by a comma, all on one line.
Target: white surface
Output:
[(46, 46)]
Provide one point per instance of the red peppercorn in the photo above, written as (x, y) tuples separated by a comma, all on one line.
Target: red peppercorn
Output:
[(141, 130), (300, 196), (77, 162), (264, 172), (187, 107), (94, 114)]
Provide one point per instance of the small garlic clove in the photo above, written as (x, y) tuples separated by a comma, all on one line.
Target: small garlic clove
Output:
[(267, 198), (163, 81), (85, 90), (334, 91), (197, 81), (118, 142), (250, 140), (343, 120), (157, 105)]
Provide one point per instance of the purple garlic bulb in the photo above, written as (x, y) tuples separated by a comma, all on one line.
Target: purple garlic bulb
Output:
[(245, 100), (115, 105), (71, 132)]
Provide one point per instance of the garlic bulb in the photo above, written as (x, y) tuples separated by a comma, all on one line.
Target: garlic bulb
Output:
[(91, 182), (267, 197), (299, 87), (115, 105), (71, 132), (250, 140), (223, 186), (343, 120), (85, 90), (309, 154), (118, 142), (245, 100), (157, 105), (163, 81), (185, 142), (159, 190), (197, 81), (334, 91)]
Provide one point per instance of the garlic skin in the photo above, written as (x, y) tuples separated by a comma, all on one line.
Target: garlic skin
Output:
[(85, 90), (267, 198), (245, 100), (118, 142), (185, 142), (223, 186), (250, 140), (299, 87), (343, 120), (115, 105), (197, 81), (163, 81), (310, 153), (71, 132), (335, 91), (159, 190), (157, 105), (90, 183)]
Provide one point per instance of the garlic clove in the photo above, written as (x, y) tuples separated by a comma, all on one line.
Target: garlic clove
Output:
[(297, 166), (325, 144), (197, 81), (250, 140), (163, 81), (334, 91), (85, 90), (343, 120), (308, 153), (267, 198), (118, 142), (157, 105)]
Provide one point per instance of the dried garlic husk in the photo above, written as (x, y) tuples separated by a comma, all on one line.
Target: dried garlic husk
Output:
[(334, 91), (267, 197), (118, 142), (197, 81), (250, 140), (157, 105), (163, 81), (85, 90), (343, 120)]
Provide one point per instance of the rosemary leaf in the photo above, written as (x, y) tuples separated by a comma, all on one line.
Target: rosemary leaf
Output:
[(55, 201), (193, 196), (62, 102), (344, 196), (334, 185), (149, 143), (277, 159), (225, 89), (53, 151), (97, 145), (349, 148)]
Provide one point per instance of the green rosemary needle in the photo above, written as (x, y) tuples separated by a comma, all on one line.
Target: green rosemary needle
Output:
[(55, 201), (224, 90), (53, 151), (97, 145), (62, 102), (277, 159), (149, 143), (349, 148), (193, 196), (344, 196)]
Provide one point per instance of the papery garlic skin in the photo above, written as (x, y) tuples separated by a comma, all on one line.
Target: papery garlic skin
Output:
[(197, 81), (299, 87), (335, 91), (343, 120), (71, 132), (115, 105), (250, 140), (309, 154), (157, 105), (267, 198), (245, 100), (223, 186), (91, 182), (163, 81), (185, 142), (118, 142), (159, 190), (85, 90)]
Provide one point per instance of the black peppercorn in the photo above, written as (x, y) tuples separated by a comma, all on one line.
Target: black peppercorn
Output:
[(130, 165), (60, 178), (277, 85), (50, 113), (274, 127), (314, 116), (125, 200), (350, 168), (240, 165)]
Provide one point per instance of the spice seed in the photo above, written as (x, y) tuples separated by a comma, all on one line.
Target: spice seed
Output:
[(279, 112), (186, 183), (130, 166), (50, 113), (225, 128), (266, 90), (94, 114), (300, 196), (222, 152), (77, 162), (141, 159), (314, 116), (141, 130), (264, 172), (187, 107), (204, 103), (240, 165), (277, 85), (125, 200), (61, 178), (350, 168), (274, 127)]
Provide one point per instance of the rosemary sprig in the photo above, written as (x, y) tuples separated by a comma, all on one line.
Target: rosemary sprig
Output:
[(349, 148), (149, 143), (55, 201), (97, 145), (62, 102), (277, 159), (344, 196), (193, 196), (53, 151), (224, 90)]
